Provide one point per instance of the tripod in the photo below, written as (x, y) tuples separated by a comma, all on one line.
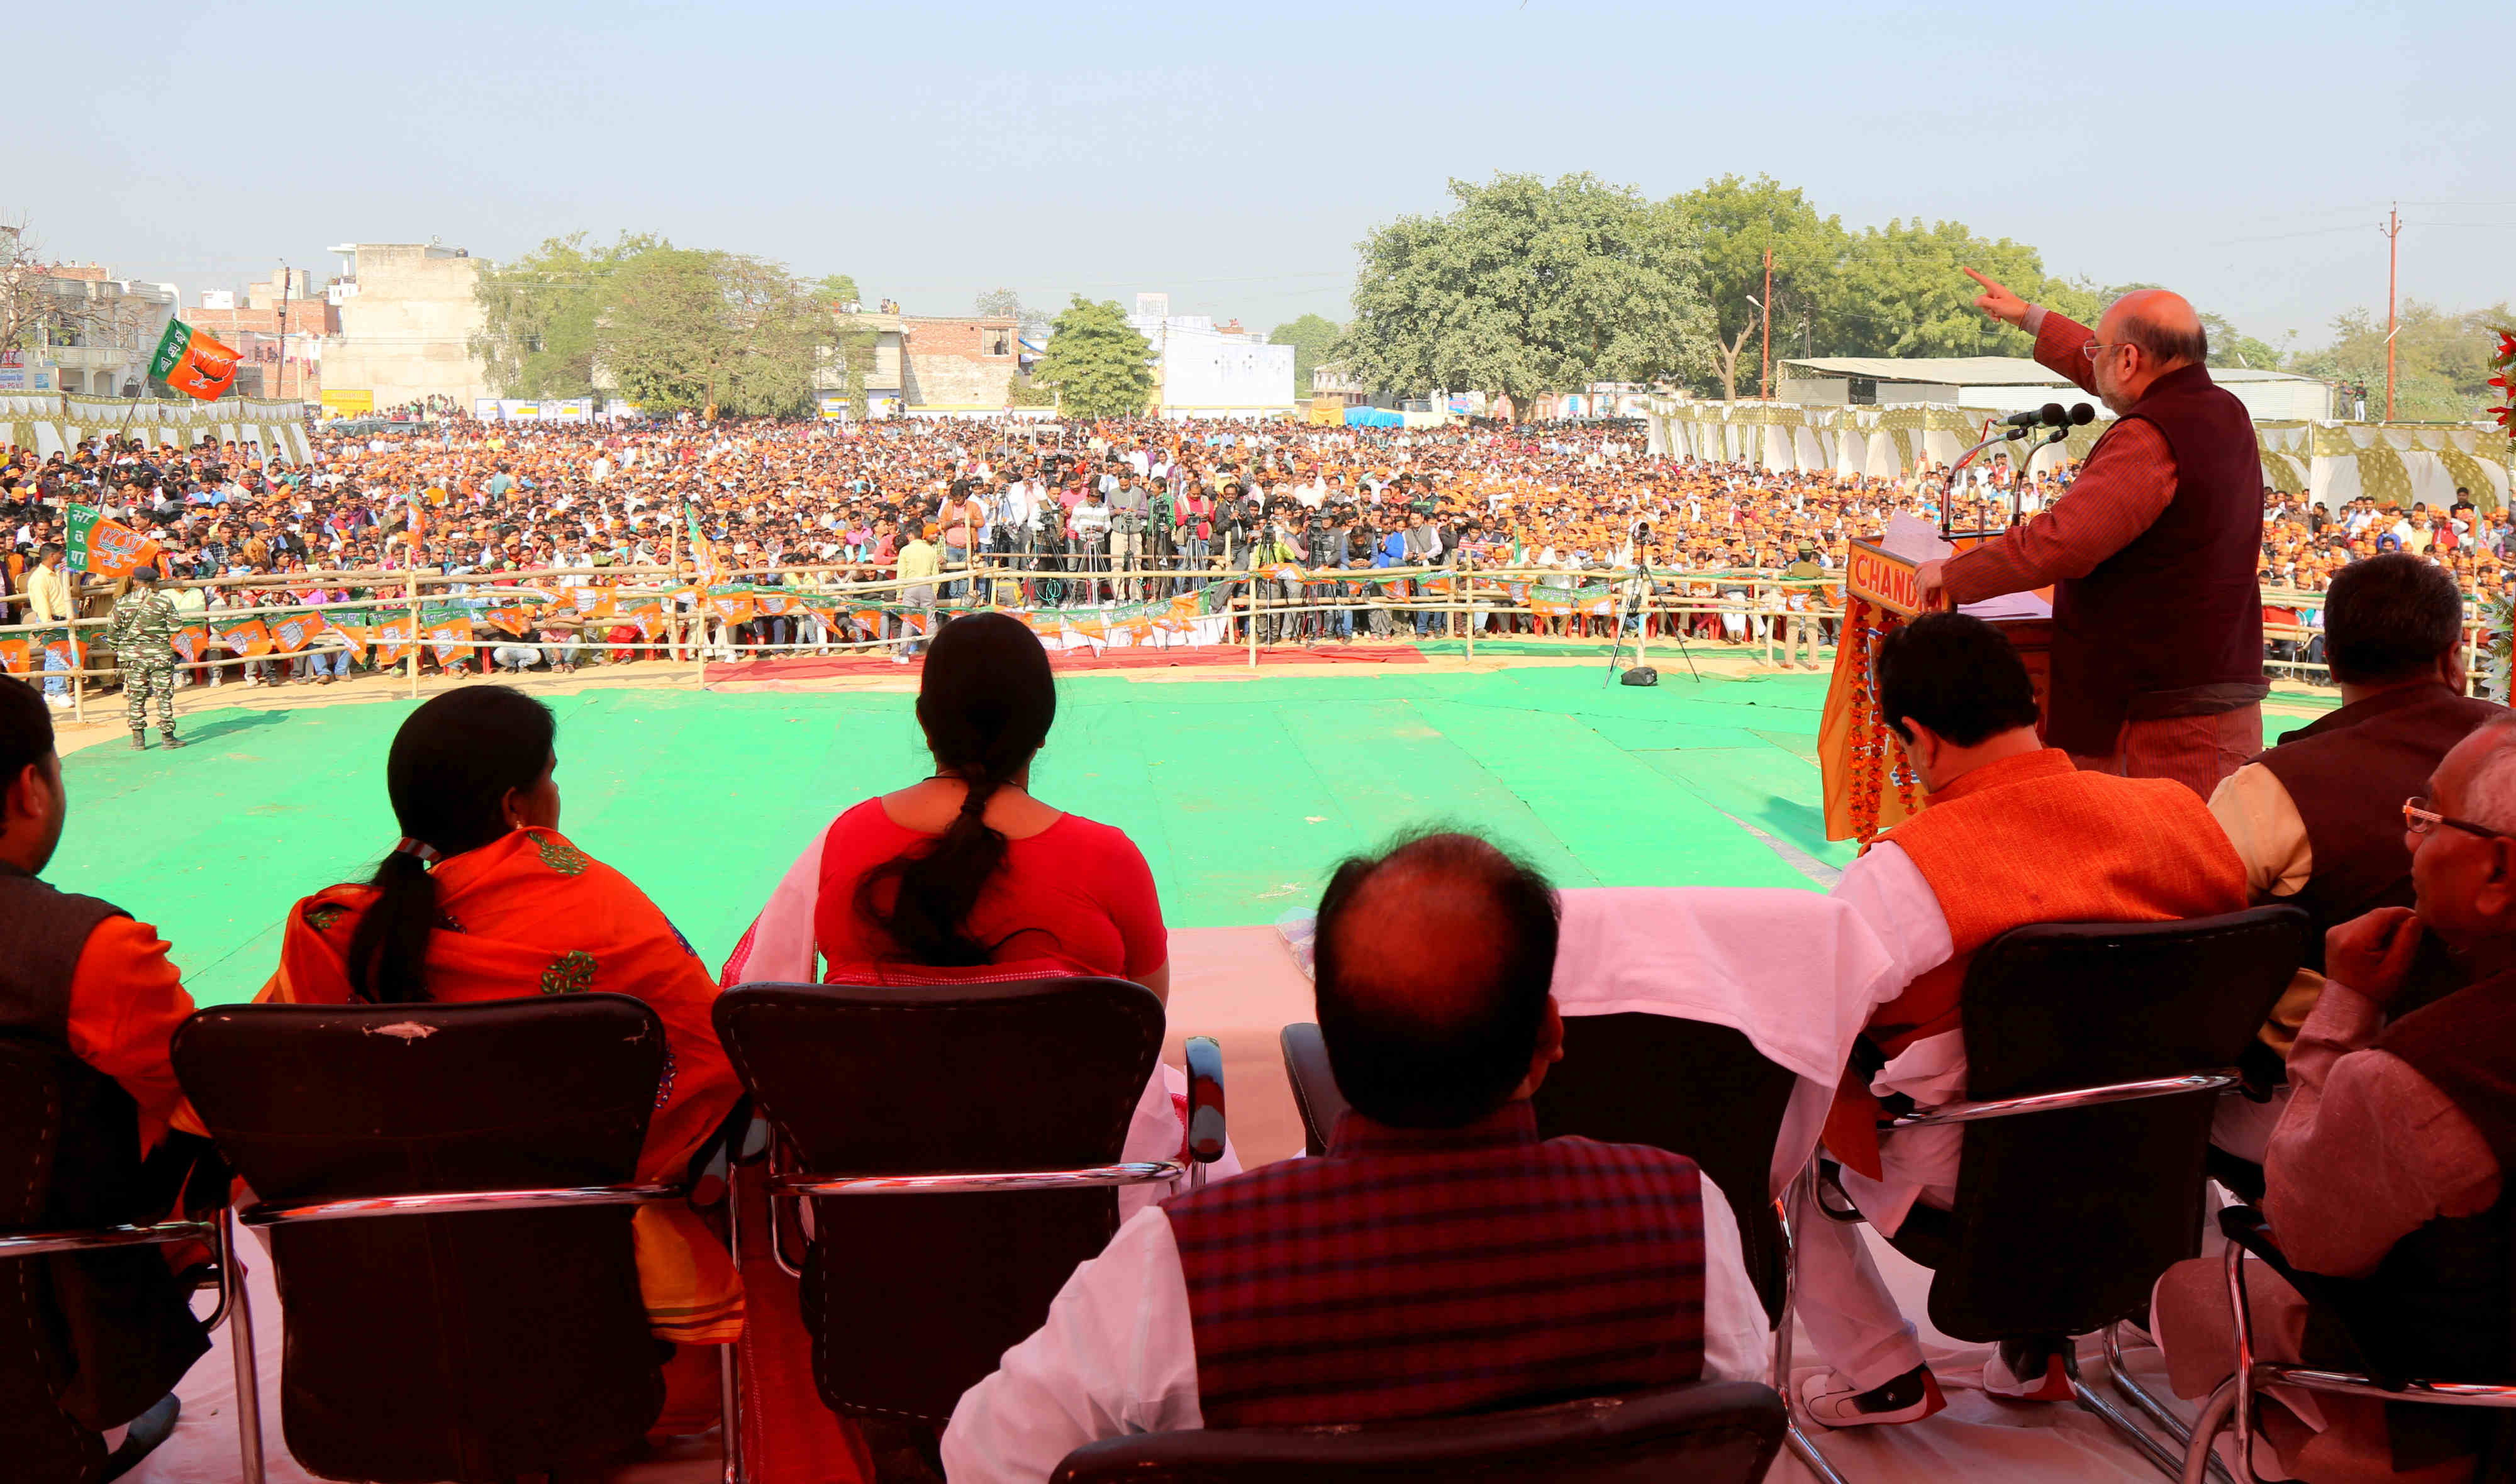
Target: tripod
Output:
[(1631, 602)]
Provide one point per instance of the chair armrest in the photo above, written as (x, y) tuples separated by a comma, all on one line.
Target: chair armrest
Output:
[(1131, 1173), (1204, 1100), (1314, 1088), (36, 1244), (2067, 1098), (455, 1202)]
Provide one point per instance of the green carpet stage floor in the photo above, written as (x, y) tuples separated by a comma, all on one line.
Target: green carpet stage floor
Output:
[(1243, 794)]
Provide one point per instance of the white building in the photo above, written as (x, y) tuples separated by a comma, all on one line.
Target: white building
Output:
[(1202, 370), (94, 334), (409, 312)]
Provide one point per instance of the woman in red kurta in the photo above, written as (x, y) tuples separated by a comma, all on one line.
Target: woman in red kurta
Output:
[(964, 875)]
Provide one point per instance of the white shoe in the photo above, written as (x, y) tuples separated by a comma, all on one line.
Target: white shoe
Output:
[(57, 703), (2012, 1371), (1831, 1401)]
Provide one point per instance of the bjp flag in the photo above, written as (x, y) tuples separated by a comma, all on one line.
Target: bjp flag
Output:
[(246, 636), (293, 632), (106, 546), (194, 362)]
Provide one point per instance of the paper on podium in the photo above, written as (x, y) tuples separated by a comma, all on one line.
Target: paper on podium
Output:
[(1917, 540), (2010, 605), (1913, 539)]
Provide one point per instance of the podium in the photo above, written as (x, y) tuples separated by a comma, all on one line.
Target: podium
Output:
[(1869, 788)]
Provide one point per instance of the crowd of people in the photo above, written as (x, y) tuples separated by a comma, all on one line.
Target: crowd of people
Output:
[(1441, 1257), (908, 503)]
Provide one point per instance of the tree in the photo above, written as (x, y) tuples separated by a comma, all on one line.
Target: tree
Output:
[(1903, 293), (1096, 362), (1735, 222), (713, 331), (1526, 287), (1311, 338), (540, 313), (2441, 361), (840, 289), (1005, 304), (24, 297)]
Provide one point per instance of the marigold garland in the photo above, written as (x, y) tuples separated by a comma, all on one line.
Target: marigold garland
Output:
[(1876, 759)]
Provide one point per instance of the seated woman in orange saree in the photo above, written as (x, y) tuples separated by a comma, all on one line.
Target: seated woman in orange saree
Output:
[(484, 899)]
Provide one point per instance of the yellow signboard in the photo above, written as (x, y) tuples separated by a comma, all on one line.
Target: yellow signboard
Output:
[(1883, 579), (347, 401)]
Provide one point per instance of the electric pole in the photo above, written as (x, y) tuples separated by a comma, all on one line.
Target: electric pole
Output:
[(2393, 240), (285, 284), (1765, 378)]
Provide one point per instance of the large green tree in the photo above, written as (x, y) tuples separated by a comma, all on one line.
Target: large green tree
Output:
[(1527, 286), (1311, 338), (540, 312), (1736, 223), (1096, 362), (713, 332), (1903, 292)]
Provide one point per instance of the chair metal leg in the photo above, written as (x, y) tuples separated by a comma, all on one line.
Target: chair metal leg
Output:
[(2151, 1407), (1802, 1447), (248, 1373), (2158, 1454), (729, 1376), (730, 1410), (2198, 1457)]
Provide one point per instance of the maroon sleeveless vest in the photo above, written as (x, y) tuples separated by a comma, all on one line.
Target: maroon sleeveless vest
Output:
[(2180, 605), (2348, 774), (2444, 1294), (1415, 1273)]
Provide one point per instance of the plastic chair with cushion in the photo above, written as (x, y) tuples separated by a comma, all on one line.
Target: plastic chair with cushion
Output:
[(106, 1326), (2094, 1051), (2384, 1371), (1709, 1432), (449, 1190), (991, 1119)]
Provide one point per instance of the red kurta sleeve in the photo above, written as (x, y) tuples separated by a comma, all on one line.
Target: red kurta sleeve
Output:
[(126, 999), (1126, 889)]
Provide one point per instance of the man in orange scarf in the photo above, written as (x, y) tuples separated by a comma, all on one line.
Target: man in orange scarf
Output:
[(2013, 834), (532, 913)]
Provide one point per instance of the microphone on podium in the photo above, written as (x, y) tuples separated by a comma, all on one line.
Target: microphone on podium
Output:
[(2050, 415), (2081, 415)]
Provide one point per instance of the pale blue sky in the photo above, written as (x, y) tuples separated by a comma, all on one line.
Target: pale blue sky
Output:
[(2243, 152)]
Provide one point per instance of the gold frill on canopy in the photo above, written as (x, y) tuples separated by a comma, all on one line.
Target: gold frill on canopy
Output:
[(52, 422)]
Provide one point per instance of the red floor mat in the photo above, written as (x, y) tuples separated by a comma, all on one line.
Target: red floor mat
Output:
[(1209, 656)]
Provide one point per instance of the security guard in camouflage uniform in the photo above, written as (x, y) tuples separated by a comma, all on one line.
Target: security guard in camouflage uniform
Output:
[(141, 633)]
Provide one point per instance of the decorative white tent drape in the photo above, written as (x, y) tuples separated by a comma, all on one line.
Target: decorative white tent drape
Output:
[(2399, 463), (51, 423)]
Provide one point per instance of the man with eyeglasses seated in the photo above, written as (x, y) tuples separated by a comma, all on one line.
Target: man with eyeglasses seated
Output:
[(2388, 1169), (2317, 819), (1440, 1259)]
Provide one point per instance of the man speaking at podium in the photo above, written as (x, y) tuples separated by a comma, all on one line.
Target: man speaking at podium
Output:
[(2158, 621)]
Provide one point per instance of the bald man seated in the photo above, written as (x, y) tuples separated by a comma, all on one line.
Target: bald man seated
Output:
[(1440, 1259), (2152, 552)]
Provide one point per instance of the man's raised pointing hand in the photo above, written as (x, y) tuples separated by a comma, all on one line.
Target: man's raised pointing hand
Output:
[(1997, 302)]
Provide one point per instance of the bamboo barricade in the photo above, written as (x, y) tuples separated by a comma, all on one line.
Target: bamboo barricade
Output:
[(1479, 596)]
